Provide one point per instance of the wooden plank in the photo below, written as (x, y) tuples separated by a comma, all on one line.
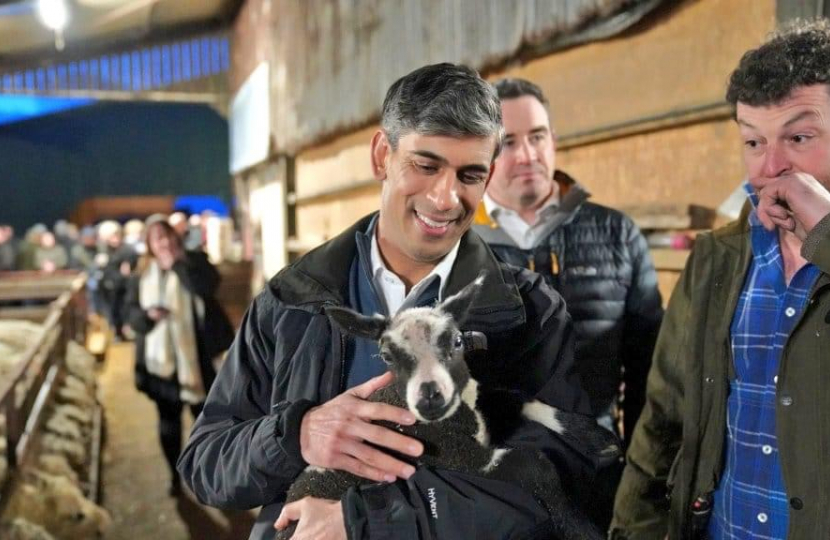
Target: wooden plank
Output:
[(657, 216), (670, 259)]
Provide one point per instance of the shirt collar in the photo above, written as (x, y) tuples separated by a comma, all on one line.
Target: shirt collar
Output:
[(753, 201), (442, 269), (494, 209)]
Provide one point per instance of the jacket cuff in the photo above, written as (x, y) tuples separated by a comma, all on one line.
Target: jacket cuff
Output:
[(287, 429), (817, 238)]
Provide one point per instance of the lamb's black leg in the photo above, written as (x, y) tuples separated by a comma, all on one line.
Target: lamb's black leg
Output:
[(531, 470), (579, 431)]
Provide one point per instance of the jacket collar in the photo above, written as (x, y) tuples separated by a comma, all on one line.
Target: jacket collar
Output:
[(320, 277), (571, 197)]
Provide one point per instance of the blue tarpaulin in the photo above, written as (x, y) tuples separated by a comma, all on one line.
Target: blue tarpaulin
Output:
[(196, 204)]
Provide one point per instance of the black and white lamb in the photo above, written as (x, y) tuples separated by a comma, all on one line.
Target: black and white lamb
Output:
[(425, 348)]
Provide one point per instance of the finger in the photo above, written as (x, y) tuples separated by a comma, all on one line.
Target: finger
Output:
[(387, 438), (763, 215), (290, 512), (369, 410), (347, 462), (787, 224), (375, 459), (366, 389), (776, 211)]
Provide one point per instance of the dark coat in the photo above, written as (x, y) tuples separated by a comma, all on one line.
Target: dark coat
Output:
[(244, 449), (676, 455), (598, 260), (214, 332)]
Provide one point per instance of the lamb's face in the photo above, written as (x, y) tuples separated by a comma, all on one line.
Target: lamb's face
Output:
[(425, 350)]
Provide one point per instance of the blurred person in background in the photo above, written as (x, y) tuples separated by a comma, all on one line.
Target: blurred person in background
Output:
[(178, 220), (49, 256), (83, 251), (134, 235), (27, 248), (195, 238), (118, 264), (180, 328), (8, 249), (538, 217)]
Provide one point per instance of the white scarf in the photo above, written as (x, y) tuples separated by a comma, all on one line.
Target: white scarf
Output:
[(170, 347)]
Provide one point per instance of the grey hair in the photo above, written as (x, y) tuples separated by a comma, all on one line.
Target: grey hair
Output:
[(442, 99)]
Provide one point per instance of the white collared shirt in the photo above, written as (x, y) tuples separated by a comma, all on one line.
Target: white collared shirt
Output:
[(392, 288), (526, 236)]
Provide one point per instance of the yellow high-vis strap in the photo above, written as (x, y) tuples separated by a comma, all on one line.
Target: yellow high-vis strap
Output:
[(483, 218)]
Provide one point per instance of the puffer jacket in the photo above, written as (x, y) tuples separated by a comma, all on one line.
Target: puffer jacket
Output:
[(676, 456), (244, 449), (598, 260)]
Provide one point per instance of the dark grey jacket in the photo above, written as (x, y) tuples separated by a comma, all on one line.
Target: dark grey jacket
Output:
[(598, 260), (244, 449)]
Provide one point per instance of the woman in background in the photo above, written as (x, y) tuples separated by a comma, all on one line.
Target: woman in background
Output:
[(180, 328)]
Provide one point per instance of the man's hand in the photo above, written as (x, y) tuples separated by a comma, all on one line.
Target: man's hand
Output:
[(339, 435), (794, 202), (319, 519)]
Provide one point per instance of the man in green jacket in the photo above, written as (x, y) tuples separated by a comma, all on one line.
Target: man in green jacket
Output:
[(734, 440)]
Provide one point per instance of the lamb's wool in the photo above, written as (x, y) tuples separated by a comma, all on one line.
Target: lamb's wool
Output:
[(21, 529), (80, 363), (59, 506), (74, 451), (57, 465)]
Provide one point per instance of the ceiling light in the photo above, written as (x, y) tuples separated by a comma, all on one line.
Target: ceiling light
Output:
[(53, 13)]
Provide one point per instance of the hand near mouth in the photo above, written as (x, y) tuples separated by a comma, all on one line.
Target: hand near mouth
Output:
[(794, 202)]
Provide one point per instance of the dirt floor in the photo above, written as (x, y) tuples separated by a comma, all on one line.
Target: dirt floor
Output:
[(135, 477)]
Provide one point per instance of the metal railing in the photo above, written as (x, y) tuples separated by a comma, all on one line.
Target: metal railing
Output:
[(28, 389)]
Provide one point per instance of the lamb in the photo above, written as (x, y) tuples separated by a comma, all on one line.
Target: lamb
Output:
[(80, 363), (64, 427), (83, 417), (59, 506), (425, 349), (57, 465), (74, 451), (70, 393), (21, 529), (19, 334)]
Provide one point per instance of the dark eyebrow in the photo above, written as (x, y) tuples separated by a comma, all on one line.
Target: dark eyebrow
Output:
[(473, 168), (534, 131), (797, 118), (745, 123), (429, 155), (443, 161), (800, 116)]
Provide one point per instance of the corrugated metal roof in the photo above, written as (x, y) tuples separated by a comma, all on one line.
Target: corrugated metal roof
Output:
[(333, 60)]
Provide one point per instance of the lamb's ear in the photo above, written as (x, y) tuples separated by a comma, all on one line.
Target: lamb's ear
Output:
[(458, 304), (358, 325)]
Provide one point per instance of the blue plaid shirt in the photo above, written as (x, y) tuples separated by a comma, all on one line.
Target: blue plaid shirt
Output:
[(751, 501)]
